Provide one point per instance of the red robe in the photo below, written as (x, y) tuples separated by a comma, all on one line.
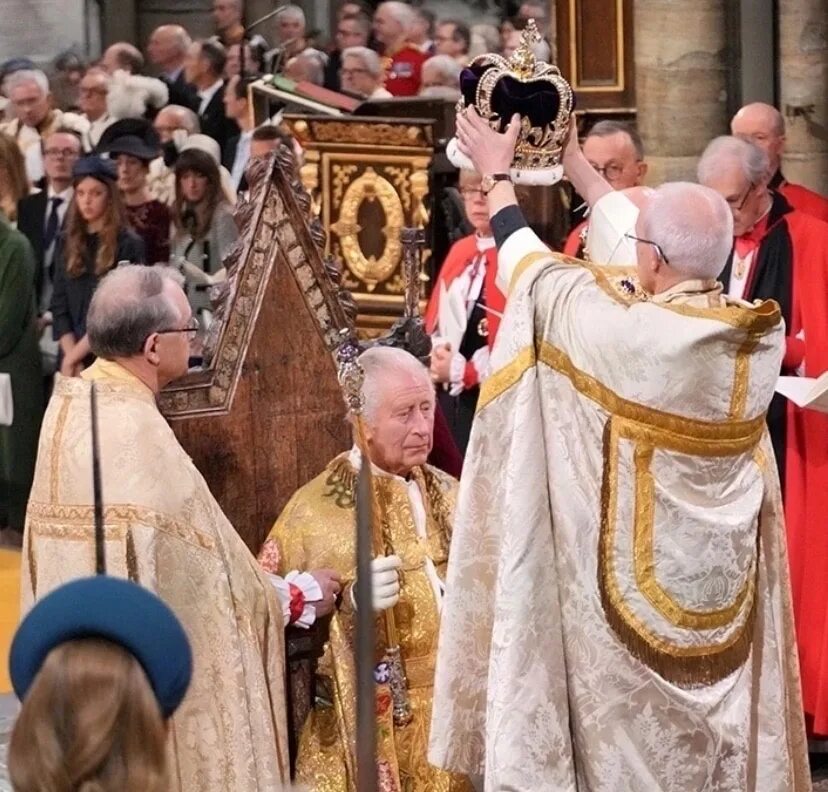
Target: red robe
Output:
[(573, 245), (403, 71), (805, 200), (806, 470), (461, 254)]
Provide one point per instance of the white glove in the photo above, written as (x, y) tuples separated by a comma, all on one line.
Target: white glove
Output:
[(385, 583), (195, 274)]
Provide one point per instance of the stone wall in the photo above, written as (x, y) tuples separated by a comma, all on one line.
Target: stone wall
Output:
[(681, 96), (803, 50)]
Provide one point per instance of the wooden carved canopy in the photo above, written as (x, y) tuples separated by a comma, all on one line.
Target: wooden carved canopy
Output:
[(266, 414)]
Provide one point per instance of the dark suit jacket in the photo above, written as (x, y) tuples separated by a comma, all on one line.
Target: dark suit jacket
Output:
[(215, 123), (181, 92), (31, 221)]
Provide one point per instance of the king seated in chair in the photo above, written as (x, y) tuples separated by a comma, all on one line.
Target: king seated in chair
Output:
[(414, 503)]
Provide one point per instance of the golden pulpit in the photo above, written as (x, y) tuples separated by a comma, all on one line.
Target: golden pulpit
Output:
[(369, 179)]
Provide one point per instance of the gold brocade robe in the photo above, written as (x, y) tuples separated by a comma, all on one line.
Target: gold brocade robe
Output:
[(315, 531), (617, 612), (165, 531)]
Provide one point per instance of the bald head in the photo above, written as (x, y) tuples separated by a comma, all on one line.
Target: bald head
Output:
[(689, 233), (124, 57), (167, 47), (763, 125)]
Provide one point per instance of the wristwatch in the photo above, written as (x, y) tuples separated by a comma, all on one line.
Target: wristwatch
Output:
[(488, 182)]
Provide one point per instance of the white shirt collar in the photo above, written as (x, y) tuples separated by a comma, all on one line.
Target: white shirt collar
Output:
[(66, 194), (208, 93), (484, 243), (355, 458)]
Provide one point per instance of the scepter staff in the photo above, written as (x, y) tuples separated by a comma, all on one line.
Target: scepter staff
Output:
[(97, 494)]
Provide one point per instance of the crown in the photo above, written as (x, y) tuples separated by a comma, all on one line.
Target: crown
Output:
[(499, 87)]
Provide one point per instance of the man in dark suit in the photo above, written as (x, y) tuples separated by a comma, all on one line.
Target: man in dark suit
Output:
[(203, 68), (40, 218), (167, 49), (237, 151)]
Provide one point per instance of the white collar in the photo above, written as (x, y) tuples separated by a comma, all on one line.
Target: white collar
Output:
[(209, 93), (66, 194), (355, 458), (484, 243)]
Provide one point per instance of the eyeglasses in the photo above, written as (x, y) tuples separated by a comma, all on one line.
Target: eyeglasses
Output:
[(649, 242), (191, 329), (348, 72), (731, 202), (610, 172), (472, 192), (67, 152)]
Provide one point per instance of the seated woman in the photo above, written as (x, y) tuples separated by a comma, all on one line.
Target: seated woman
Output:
[(94, 240), (100, 665), (204, 225), (133, 144)]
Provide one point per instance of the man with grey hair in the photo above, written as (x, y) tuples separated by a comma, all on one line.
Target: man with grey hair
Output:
[(441, 78), (618, 465), (307, 66), (392, 26), (415, 503), (615, 150), (764, 125), (361, 73), (166, 50), (35, 118), (781, 253), (165, 531)]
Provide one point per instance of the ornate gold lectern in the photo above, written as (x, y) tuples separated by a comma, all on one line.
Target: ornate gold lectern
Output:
[(369, 178)]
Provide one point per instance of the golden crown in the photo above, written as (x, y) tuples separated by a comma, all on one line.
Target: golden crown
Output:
[(498, 87)]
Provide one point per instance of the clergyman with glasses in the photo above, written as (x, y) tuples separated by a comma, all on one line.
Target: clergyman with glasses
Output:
[(620, 498), (616, 151), (781, 253), (163, 530), (463, 314)]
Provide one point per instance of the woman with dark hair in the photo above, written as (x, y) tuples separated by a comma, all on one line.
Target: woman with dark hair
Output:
[(203, 220), (132, 144), (94, 240)]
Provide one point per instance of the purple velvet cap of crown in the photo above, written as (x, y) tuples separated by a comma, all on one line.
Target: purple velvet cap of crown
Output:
[(538, 100)]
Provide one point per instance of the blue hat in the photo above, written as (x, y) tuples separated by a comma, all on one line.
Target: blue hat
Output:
[(118, 611), (96, 167), (13, 65)]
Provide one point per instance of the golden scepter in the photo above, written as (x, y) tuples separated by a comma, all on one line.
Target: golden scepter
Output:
[(351, 378)]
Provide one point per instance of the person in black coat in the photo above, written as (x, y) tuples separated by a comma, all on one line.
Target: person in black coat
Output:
[(203, 68), (95, 239), (167, 50)]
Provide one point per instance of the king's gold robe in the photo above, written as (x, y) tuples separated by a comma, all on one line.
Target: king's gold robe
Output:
[(317, 530), (165, 531), (617, 611)]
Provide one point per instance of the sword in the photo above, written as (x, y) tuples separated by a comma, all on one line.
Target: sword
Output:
[(100, 552)]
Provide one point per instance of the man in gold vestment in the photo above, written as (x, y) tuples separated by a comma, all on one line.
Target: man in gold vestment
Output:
[(317, 529), (163, 530)]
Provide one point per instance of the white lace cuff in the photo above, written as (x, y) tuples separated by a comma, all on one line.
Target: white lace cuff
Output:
[(311, 592)]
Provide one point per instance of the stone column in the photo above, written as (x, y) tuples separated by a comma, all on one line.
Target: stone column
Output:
[(803, 71), (680, 78)]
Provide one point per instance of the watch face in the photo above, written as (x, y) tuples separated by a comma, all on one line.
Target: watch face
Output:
[(486, 183)]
